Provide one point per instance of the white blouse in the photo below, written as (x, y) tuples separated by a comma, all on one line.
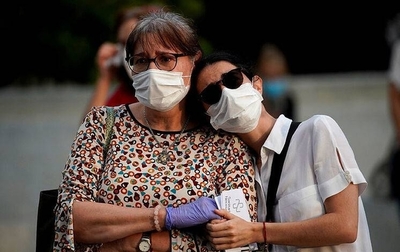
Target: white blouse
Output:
[(311, 173)]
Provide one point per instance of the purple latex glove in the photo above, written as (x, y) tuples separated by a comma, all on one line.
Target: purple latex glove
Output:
[(197, 212)]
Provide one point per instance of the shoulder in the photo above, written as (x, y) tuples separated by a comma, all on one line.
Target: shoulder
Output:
[(322, 129), (231, 141), (319, 122), (98, 115), (321, 125)]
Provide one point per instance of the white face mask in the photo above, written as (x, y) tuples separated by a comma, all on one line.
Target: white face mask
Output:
[(158, 89), (238, 110)]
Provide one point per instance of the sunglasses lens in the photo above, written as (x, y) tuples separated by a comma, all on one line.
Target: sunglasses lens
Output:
[(233, 79), (211, 94)]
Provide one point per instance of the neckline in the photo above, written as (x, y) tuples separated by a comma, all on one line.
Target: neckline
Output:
[(164, 157)]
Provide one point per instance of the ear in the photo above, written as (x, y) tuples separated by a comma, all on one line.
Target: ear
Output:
[(257, 83), (198, 56)]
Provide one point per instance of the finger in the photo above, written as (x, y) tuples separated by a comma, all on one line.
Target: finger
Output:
[(216, 221), (219, 243), (225, 214), (220, 229), (215, 228)]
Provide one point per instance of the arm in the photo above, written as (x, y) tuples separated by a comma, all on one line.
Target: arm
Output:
[(338, 225), (394, 104), (82, 217), (125, 231), (100, 222), (160, 242), (394, 88), (191, 214)]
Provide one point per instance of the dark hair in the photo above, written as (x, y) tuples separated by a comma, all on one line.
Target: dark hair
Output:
[(217, 56), (214, 57)]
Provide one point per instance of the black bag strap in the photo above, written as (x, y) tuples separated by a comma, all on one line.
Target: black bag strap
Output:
[(45, 220), (276, 171)]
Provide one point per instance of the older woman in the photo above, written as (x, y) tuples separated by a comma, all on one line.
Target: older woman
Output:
[(161, 156)]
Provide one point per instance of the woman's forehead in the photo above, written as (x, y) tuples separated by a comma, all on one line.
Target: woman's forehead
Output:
[(212, 73), (153, 42), (151, 49)]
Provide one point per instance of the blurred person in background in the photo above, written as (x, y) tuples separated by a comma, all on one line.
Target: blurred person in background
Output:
[(273, 68), (393, 38), (111, 65)]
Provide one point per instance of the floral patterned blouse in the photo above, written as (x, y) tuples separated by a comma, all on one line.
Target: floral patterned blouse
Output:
[(203, 163)]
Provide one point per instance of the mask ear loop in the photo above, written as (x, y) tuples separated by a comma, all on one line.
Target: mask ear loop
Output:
[(192, 60), (190, 75), (254, 79)]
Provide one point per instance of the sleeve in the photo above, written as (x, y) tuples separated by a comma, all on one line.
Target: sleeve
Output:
[(335, 163), (235, 169), (189, 240), (238, 171), (80, 178)]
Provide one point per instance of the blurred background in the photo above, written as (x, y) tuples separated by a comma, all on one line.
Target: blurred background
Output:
[(57, 40), (337, 57)]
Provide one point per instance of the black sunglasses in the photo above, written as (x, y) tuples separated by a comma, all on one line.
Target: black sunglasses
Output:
[(212, 93)]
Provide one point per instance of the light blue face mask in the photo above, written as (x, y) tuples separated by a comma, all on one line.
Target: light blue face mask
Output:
[(274, 88)]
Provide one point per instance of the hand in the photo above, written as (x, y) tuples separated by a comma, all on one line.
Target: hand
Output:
[(104, 54), (231, 231), (197, 212)]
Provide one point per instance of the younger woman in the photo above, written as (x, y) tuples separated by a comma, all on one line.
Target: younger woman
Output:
[(318, 204)]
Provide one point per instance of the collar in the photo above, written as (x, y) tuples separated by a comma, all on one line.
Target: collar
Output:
[(277, 137)]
